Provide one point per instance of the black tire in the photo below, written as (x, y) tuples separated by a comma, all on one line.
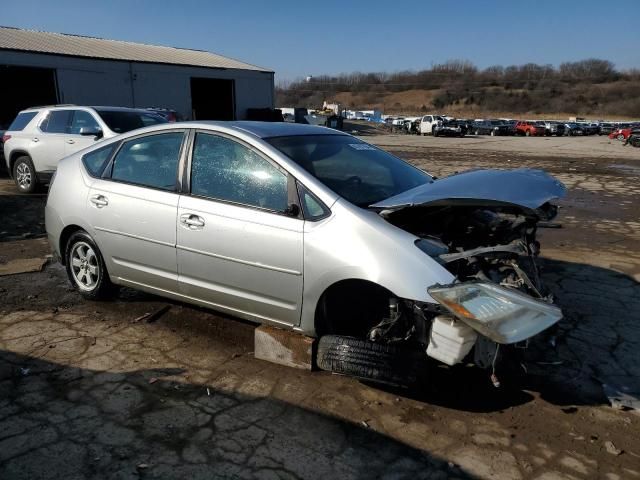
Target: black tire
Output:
[(99, 287), (527, 133), (477, 132), (24, 174), (377, 362)]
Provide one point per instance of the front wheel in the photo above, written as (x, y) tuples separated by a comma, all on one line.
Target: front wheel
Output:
[(528, 133), (385, 363), (620, 137), (24, 174), (86, 269)]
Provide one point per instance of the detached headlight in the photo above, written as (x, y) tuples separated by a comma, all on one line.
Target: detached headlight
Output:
[(502, 314)]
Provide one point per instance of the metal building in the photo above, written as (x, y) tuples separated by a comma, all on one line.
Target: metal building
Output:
[(42, 68)]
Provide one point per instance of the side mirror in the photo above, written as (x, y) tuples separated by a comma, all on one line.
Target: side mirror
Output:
[(92, 131)]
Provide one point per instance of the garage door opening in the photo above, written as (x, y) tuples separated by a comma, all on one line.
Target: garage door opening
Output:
[(212, 99), (23, 87)]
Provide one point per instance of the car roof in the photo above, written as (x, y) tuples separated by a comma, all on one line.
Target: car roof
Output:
[(272, 129)]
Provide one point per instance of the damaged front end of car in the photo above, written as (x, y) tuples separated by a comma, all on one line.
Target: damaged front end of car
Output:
[(481, 226)]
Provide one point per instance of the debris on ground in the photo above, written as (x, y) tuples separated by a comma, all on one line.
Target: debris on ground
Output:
[(621, 397), (150, 317), (22, 265), (611, 448)]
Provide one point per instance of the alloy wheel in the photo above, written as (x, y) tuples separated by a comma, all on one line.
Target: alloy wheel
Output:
[(24, 176), (84, 266)]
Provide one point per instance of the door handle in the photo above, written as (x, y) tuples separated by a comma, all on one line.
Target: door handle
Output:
[(35, 139), (99, 201), (192, 221), (71, 141)]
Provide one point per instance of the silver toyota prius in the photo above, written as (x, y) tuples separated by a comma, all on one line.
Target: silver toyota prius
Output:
[(313, 230)]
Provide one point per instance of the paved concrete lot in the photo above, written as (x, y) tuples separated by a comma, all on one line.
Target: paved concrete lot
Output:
[(89, 390)]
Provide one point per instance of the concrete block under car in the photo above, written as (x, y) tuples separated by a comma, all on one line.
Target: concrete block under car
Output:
[(284, 347)]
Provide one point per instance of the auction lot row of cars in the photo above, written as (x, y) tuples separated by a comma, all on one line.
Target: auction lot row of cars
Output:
[(297, 226), (443, 125)]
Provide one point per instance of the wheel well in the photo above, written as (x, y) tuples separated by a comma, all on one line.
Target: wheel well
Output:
[(351, 307), (65, 235), (14, 156)]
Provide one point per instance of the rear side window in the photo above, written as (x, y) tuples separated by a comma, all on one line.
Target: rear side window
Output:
[(21, 121), (95, 161), (150, 161), (57, 121), (121, 121)]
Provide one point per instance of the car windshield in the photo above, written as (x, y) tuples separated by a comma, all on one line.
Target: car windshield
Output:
[(355, 170), (121, 121)]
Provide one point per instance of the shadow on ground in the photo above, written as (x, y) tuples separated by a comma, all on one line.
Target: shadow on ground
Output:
[(58, 421), (22, 216)]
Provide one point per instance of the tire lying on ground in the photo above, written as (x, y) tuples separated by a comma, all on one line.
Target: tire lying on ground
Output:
[(367, 360)]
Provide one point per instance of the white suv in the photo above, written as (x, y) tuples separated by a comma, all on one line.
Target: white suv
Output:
[(40, 137)]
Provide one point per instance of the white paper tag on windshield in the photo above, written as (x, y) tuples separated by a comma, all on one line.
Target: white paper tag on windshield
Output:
[(361, 146)]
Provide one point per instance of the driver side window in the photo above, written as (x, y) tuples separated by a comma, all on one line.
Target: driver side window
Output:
[(82, 119), (226, 170)]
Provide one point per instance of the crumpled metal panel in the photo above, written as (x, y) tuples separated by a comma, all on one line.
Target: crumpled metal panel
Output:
[(523, 187)]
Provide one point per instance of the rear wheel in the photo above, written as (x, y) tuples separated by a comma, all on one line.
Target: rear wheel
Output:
[(24, 174), (86, 269), (620, 137), (384, 363), (528, 133)]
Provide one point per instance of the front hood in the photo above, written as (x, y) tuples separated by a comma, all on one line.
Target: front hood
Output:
[(525, 188)]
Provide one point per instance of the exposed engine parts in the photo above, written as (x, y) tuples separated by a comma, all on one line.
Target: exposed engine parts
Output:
[(493, 245)]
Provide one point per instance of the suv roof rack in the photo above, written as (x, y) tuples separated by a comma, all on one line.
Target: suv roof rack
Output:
[(56, 105)]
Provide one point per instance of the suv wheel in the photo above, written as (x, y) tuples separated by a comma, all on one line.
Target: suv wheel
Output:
[(86, 269), (24, 175)]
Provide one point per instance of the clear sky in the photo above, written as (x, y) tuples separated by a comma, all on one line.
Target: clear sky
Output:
[(312, 37)]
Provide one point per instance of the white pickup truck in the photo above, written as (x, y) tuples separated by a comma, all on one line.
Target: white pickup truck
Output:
[(428, 122)]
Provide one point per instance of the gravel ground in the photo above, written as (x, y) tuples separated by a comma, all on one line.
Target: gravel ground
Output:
[(86, 391)]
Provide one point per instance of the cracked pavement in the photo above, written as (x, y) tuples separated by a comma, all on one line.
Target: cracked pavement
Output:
[(86, 391)]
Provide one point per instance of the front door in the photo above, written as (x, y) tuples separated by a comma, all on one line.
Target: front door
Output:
[(237, 248), (74, 141), (134, 210)]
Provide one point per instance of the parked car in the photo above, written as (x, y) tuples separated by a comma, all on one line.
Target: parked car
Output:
[(168, 114), (529, 128), (464, 124), (427, 122), (605, 128), (621, 133), (39, 137), (572, 128), (447, 128), (554, 128), (490, 127), (590, 128), (312, 230), (634, 139)]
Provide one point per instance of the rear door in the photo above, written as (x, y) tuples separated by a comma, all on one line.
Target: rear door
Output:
[(237, 247), (47, 146), (133, 210)]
